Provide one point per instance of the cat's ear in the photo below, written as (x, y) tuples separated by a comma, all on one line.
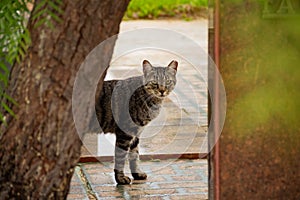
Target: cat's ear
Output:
[(173, 64), (147, 67)]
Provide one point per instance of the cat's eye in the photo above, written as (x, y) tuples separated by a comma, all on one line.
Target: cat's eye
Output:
[(168, 82), (153, 82)]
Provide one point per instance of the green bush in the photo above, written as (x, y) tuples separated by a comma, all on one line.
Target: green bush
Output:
[(149, 9)]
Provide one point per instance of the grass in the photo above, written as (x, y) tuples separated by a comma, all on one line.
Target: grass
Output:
[(154, 9)]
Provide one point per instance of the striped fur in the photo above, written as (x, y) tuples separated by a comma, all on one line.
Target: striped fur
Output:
[(124, 107)]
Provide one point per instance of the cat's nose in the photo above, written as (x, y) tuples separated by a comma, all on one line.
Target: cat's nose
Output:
[(162, 92)]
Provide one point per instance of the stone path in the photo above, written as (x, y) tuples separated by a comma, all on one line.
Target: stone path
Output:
[(167, 180)]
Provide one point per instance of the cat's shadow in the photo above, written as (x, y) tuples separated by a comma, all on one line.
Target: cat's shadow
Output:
[(134, 182), (132, 190)]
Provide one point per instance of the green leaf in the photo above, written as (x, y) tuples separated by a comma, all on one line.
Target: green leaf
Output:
[(40, 22), (5, 106), (39, 13), (9, 99), (26, 37), (54, 16), (9, 18), (49, 24), (55, 7), (4, 79), (11, 56), (60, 2), (4, 67), (40, 5), (21, 53), (23, 45)]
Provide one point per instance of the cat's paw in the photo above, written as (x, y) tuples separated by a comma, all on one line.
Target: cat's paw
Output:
[(121, 178), (139, 176)]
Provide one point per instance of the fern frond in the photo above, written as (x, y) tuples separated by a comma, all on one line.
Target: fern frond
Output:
[(48, 11), (15, 37), (14, 41)]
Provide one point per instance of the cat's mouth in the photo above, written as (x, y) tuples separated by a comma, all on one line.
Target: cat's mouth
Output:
[(161, 94), (158, 95)]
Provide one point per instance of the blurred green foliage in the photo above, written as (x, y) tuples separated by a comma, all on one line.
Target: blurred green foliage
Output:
[(14, 41), (260, 67), (149, 9), (261, 72), (15, 38)]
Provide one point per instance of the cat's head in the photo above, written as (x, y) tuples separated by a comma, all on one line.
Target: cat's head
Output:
[(159, 81)]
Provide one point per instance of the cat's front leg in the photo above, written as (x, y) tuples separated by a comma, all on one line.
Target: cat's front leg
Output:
[(134, 159), (121, 151)]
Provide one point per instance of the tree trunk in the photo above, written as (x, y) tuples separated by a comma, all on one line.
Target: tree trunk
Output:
[(40, 147)]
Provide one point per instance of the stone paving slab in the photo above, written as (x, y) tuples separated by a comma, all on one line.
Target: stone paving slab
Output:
[(167, 180)]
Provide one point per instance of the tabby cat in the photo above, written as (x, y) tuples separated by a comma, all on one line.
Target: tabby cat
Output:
[(124, 107)]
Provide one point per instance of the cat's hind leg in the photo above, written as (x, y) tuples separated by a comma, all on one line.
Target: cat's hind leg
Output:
[(134, 159)]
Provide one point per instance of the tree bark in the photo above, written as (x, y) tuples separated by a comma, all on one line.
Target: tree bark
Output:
[(40, 147)]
